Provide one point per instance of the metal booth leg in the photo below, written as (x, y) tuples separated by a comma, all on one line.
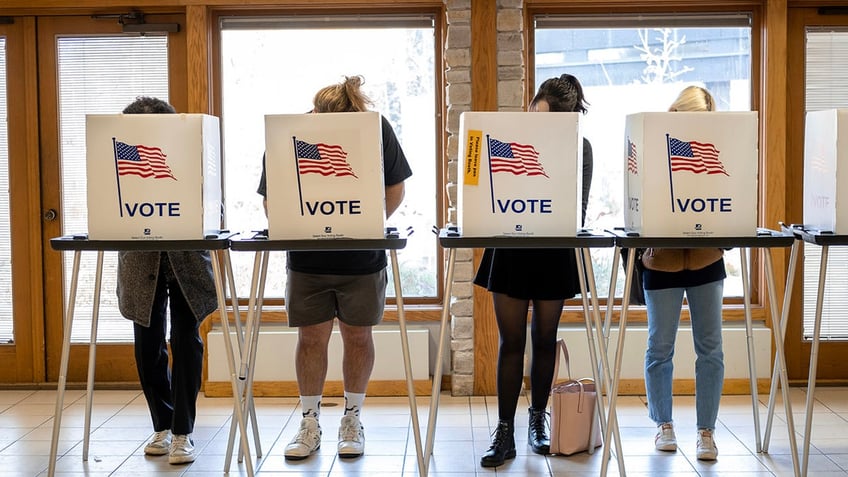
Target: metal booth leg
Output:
[(66, 349), (242, 359), (252, 342), (584, 264), (612, 420), (781, 361), (231, 357), (744, 256), (784, 320), (437, 372), (407, 364), (63, 365), (814, 360), (92, 355)]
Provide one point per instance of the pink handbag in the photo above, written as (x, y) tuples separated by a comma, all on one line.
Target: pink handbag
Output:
[(573, 411)]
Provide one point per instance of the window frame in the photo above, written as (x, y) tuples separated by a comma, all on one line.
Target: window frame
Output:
[(733, 309), (417, 308)]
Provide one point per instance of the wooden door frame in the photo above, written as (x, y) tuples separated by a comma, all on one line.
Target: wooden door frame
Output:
[(831, 354), (116, 362), (25, 355)]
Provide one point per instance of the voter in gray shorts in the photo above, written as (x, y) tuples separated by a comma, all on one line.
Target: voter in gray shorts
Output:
[(350, 285)]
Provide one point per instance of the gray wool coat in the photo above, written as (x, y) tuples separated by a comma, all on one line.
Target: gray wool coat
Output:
[(138, 273)]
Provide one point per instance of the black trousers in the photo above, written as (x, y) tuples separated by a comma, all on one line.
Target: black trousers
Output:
[(171, 392)]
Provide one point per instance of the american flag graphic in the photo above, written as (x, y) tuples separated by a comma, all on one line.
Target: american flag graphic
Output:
[(141, 160), (631, 158), (515, 158), (694, 156), (324, 159)]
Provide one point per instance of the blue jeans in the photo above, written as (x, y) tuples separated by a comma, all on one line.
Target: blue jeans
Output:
[(664, 308)]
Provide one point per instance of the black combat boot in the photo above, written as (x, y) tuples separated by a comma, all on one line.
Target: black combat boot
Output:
[(503, 445), (537, 433)]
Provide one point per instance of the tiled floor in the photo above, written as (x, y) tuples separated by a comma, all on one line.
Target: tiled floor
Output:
[(120, 427)]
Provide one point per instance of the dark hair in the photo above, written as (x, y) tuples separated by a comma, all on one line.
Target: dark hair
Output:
[(148, 105), (563, 94)]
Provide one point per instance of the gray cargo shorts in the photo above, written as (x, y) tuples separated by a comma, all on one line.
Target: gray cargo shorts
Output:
[(357, 300)]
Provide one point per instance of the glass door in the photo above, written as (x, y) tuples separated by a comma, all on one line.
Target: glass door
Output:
[(818, 49), (90, 65)]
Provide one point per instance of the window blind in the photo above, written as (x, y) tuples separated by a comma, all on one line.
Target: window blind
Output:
[(99, 75), (826, 70), (6, 322)]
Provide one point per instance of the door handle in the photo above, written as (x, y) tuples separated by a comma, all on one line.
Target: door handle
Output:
[(50, 215)]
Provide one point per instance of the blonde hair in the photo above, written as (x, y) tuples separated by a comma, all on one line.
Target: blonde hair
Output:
[(344, 97), (693, 98)]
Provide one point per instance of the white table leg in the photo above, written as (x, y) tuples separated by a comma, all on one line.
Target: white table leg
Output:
[(251, 338), (240, 357), (603, 332), (612, 420), (584, 264), (231, 357), (92, 355), (582, 268), (63, 365), (744, 256), (253, 345), (784, 320), (814, 359), (437, 372), (407, 364), (781, 361)]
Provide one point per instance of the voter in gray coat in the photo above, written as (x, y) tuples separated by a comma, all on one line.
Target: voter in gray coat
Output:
[(148, 282)]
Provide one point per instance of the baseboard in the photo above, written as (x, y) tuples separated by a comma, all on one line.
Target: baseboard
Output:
[(734, 386)]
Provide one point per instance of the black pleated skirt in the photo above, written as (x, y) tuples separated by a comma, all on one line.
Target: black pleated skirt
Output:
[(542, 274)]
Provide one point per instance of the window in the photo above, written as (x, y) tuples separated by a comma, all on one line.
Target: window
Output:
[(99, 75), (275, 65), (827, 57), (632, 64), (6, 323)]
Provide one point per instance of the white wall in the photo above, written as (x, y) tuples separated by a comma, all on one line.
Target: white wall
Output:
[(275, 354)]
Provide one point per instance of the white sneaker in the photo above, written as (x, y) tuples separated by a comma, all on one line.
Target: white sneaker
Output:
[(159, 444), (306, 441), (665, 439), (351, 437), (182, 449), (706, 449)]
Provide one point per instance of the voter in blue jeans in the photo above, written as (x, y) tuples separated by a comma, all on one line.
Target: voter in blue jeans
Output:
[(664, 292)]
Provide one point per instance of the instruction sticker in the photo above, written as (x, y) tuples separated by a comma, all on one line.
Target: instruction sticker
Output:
[(472, 157)]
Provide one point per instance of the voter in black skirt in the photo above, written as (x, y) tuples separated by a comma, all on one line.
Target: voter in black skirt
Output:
[(543, 277)]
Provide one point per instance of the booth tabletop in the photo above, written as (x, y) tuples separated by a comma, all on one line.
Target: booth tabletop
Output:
[(259, 241), (218, 241), (765, 238), (450, 238), (814, 236)]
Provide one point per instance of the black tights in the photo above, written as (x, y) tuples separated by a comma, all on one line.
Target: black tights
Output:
[(511, 315)]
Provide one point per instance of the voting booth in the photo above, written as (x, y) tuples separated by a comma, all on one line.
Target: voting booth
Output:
[(324, 176), (153, 176), (691, 174), (520, 174), (826, 171)]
